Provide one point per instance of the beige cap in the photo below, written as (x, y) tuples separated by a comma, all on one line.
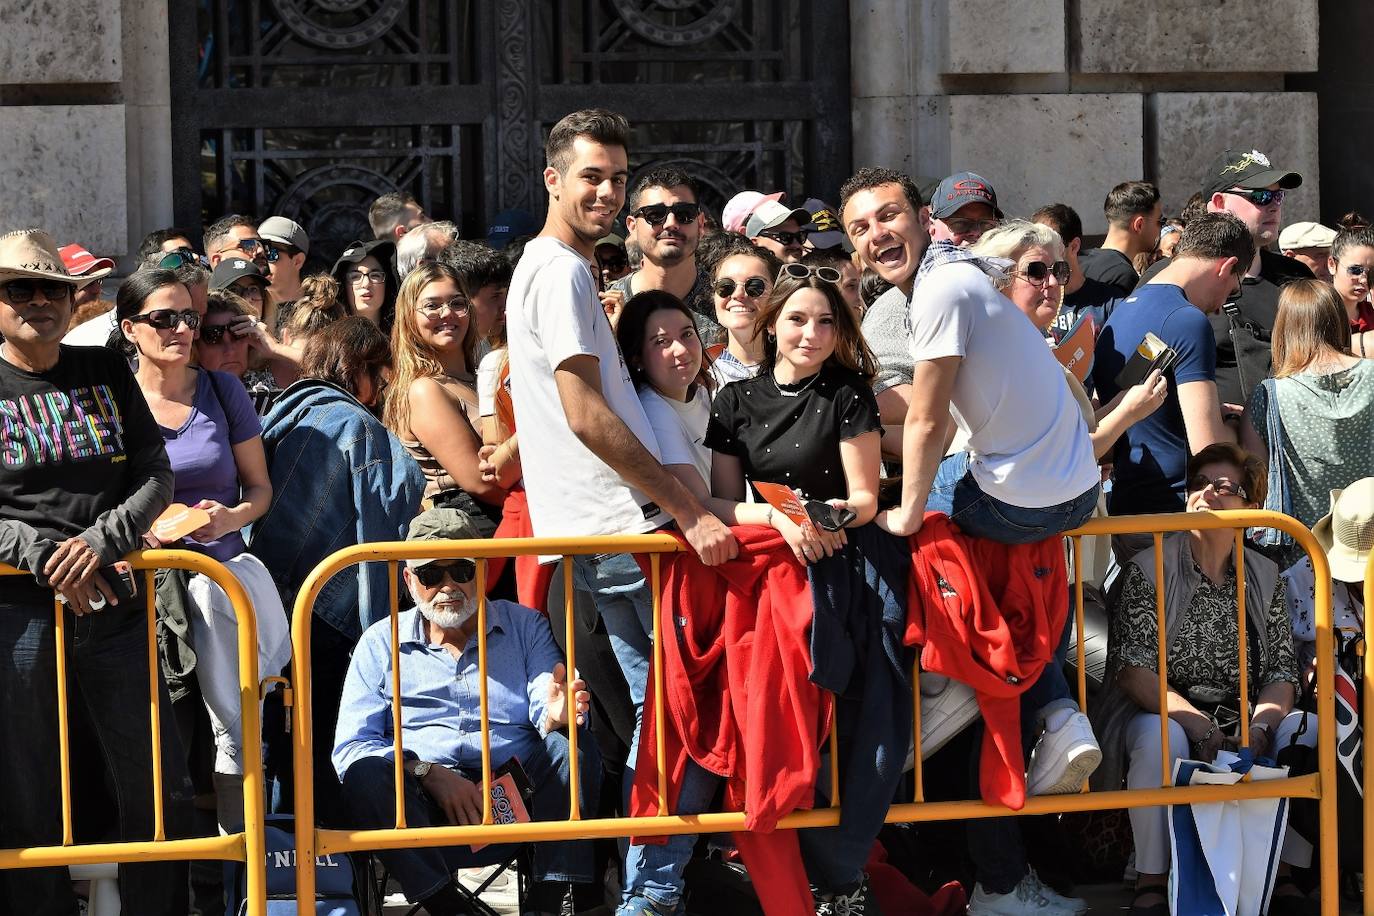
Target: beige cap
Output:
[(1306, 235)]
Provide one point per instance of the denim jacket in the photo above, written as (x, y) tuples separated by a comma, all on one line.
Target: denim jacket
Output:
[(338, 478)]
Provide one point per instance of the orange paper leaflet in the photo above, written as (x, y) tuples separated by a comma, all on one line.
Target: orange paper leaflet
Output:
[(1075, 350), (785, 499), (178, 521)]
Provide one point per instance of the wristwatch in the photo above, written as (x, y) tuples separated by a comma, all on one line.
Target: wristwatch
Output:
[(422, 769)]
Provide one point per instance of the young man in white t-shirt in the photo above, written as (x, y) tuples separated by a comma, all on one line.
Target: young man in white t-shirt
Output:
[(1028, 472), (591, 465)]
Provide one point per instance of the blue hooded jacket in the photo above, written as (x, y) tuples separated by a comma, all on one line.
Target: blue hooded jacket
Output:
[(338, 478)]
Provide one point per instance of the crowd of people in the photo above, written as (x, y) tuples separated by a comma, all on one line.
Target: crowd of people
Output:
[(869, 423)]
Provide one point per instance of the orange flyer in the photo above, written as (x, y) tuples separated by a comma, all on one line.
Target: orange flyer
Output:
[(178, 521), (507, 805), (1075, 351), (785, 499)]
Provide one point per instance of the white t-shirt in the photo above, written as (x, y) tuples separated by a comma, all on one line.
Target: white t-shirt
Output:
[(92, 333), (1028, 445), (488, 372), (680, 428), (553, 314)]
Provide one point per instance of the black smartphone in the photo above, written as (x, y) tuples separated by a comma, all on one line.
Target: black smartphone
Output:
[(120, 578), (824, 515)]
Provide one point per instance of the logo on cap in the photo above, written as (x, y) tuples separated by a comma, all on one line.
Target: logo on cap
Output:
[(1254, 157), (239, 265)]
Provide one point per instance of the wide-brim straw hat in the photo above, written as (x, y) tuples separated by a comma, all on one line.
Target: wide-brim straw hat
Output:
[(32, 254), (1346, 533)]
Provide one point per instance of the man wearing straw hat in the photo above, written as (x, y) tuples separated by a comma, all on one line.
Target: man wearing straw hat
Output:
[(442, 740), (83, 474)]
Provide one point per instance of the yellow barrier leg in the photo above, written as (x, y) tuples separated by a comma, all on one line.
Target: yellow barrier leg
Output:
[(64, 750)]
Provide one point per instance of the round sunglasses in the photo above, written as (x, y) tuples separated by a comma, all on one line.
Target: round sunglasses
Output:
[(753, 287), (802, 271), (657, 214)]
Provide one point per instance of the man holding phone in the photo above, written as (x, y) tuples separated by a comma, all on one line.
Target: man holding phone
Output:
[(1174, 305)]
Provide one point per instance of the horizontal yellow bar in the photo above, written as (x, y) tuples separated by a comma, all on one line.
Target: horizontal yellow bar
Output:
[(229, 848), (331, 841)]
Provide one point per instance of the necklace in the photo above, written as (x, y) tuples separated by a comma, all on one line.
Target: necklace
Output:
[(792, 394)]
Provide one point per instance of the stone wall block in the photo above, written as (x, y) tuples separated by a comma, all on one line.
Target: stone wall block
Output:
[(61, 41), (65, 166), (1185, 36), (880, 44), (1193, 127), (993, 36), (1040, 149)]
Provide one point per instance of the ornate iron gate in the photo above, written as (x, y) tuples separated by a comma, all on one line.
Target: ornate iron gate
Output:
[(311, 108)]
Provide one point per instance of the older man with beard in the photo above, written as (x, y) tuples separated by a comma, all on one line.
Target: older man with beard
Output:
[(527, 695)]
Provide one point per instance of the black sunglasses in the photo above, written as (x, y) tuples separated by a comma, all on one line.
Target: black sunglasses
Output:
[(1261, 197), (431, 574), (20, 292), (166, 319), (753, 287), (615, 262), (183, 257), (786, 238), (657, 214), (214, 333), (250, 247), (1039, 271), (1221, 486), (802, 271)]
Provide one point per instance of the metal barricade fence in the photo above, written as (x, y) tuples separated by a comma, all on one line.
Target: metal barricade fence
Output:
[(319, 842), (247, 846), (1366, 708)]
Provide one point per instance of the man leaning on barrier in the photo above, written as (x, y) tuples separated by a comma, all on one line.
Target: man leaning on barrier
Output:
[(442, 739)]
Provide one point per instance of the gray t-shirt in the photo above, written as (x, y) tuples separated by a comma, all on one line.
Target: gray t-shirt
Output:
[(698, 299), (885, 330)]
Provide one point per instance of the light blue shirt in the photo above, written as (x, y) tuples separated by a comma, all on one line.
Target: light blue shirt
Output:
[(440, 705)]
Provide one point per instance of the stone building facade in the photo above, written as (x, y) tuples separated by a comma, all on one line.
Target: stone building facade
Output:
[(1049, 99)]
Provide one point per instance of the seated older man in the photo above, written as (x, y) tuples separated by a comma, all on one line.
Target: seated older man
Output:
[(442, 741)]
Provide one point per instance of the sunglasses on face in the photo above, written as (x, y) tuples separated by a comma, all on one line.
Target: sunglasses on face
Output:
[(613, 263), (962, 226), (786, 238), (802, 271), (431, 574), (182, 257), (1358, 270), (1222, 486), (21, 292), (433, 308), (657, 214), (214, 334), (167, 319), (249, 290), (1260, 198), (251, 247), (1038, 272), (753, 287)]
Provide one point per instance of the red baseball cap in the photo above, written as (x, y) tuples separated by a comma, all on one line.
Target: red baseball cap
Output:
[(81, 263)]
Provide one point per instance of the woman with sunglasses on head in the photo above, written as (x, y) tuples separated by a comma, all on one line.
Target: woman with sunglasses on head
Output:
[(214, 441), (1034, 282), (1351, 263), (367, 282), (433, 409), (741, 279), (1315, 417), (71, 505), (1202, 663), (807, 420), (338, 478)]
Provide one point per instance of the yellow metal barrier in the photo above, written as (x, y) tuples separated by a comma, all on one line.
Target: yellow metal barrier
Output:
[(1367, 708), (316, 842), (248, 846)]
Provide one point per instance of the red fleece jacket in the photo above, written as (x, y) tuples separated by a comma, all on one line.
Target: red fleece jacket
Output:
[(532, 578), (987, 614), (738, 700)]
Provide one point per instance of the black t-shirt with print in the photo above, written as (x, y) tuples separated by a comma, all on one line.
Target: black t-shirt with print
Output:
[(1107, 265), (791, 434), (1259, 305), (74, 441)]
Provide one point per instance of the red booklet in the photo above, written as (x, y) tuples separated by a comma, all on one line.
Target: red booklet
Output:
[(1075, 349)]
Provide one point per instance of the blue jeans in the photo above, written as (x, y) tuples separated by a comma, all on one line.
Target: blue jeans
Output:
[(370, 791), (624, 600), (995, 844), (107, 665)]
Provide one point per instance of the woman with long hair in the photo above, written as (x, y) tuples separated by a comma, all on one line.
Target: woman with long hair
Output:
[(433, 407), (1351, 263), (741, 280), (808, 419), (1315, 417), (214, 441), (367, 282)]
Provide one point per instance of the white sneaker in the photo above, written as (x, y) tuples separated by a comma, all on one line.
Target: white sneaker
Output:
[(1062, 759), (1029, 898), (947, 708)]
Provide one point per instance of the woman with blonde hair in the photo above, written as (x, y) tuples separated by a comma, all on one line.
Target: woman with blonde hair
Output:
[(1315, 418), (432, 406)]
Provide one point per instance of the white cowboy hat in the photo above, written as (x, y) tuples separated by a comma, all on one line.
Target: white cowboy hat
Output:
[(1347, 531), (32, 254)]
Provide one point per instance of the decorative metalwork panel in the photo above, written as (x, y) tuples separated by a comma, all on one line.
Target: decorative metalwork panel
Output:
[(311, 108)]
